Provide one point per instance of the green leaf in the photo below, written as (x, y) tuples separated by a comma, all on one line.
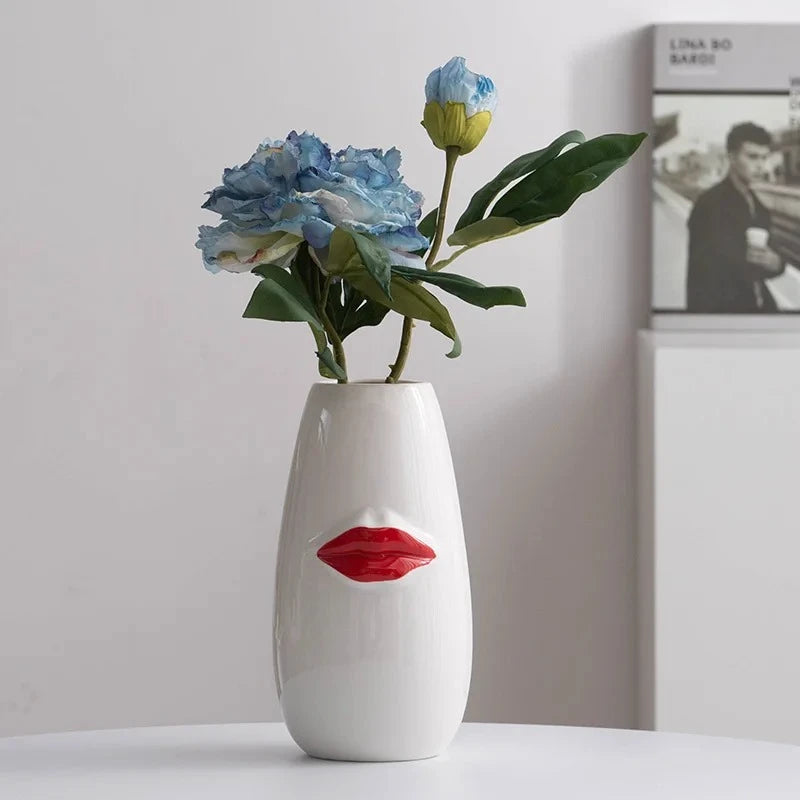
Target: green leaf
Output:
[(341, 251), (368, 314), (427, 227), (306, 271), (547, 192), (280, 296), (554, 204), (339, 304), (408, 299), (375, 259), (329, 362), (518, 168), (485, 230), (322, 343), (600, 156), (348, 309), (348, 248), (465, 288)]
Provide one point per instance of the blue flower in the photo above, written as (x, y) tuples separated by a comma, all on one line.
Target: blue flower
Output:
[(454, 83), (296, 190), (235, 249), (458, 106)]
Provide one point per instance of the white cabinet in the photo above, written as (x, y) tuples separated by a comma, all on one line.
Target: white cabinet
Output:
[(719, 538)]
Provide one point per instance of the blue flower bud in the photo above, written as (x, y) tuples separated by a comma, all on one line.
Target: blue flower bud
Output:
[(459, 106)]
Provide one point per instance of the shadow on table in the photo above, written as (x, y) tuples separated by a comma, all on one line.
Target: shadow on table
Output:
[(153, 755)]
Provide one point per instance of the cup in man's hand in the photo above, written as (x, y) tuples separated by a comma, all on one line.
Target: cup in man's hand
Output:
[(757, 237), (759, 253)]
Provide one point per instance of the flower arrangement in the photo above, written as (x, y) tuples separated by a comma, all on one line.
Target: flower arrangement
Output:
[(338, 238)]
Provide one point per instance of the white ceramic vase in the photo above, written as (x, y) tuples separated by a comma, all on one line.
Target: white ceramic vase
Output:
[(373, 622)]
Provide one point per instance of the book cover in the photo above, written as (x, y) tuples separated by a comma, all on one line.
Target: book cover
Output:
[(726, 175)]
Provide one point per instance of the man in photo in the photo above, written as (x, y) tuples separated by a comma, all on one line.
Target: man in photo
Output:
[(730, 258)]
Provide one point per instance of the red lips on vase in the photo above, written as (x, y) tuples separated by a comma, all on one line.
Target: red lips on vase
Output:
[(375, 554)]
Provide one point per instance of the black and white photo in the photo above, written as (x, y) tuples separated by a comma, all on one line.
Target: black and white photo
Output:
[(726, 179)]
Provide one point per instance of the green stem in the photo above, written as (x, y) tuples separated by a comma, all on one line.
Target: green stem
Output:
[(451, 156), (330, 330), (402, 352)]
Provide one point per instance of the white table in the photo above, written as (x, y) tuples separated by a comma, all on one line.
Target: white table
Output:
[(231, 762)]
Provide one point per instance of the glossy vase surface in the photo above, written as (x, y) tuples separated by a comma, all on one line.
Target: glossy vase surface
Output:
[(373, 622)]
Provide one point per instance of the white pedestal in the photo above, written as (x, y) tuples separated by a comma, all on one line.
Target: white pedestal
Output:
[(719, 548)]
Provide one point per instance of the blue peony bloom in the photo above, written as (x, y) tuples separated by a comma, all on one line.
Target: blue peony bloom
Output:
[(454, 83), (296, 190)]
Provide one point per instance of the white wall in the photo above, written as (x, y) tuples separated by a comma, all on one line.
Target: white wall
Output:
[(146, 429)]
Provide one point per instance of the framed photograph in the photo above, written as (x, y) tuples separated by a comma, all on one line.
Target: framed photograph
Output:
[(726, 176)]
